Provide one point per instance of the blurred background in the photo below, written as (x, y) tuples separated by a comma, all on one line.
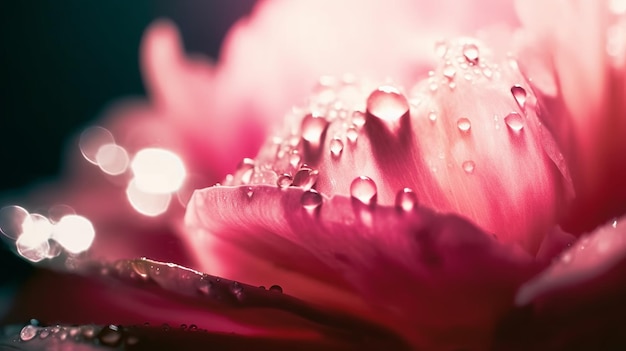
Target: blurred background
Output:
[(63, 62)]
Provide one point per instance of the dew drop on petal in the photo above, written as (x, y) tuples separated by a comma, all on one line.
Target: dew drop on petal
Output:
[(312, 128), (358, 119), (352, 134), (387, 103), (432, 116), (406, 200), (112, 159), (276, 288), (364, 190), (514, 121), (11, 221), (336, 147), (148, 204), (464, 124), (305, 178), (158, 171), (468, 166), (441, 48), (28, 332), (449, 72), (311, 200), (470, 52), (91, 139), (110, 335), (284, 181), (204, 285), (519, 94)]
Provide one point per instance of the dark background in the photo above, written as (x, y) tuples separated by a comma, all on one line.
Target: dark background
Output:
[(62, 62)]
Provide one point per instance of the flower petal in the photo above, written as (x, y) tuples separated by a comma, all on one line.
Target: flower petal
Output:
[(578, 301), (409, 267), (575, 54), (145, 291)]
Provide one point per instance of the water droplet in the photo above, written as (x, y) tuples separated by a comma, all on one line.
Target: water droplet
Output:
[(358, 119), (204, 285), (406, 200), (237, 290), (110, 335), (44, 333), (88, 332), (470, 52), (294, 158), (487, 72), (249, 192), (311, 200), (305, 178), (284, 181), (387, 103), (514, 121), (312, 128), (336, 147), (432, 116), (519, 94), (193, 327), (140, 268), (449, 72), (166, 327), (244, 171), (441, 48), (468, 166), (276, 288), (28, 333), (183, 326), (464, 124), (364, 190), (352, 134), (614, 223)]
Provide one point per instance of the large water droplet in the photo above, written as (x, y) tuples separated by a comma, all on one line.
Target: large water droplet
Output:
[(519, 94), (284, 181), (406, 200), (468, 166), (470, 52), (514, 121), (387, 103), (336, 147), (110, 336), (312, 128), (276, 288), (305, 178), (364, 190), (464, 124), (311, 200), (28, 332)]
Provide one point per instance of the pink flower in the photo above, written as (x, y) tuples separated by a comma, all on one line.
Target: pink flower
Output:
[(459, 189)]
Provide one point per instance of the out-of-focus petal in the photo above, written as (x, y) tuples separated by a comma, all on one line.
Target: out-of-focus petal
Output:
[(574, 52), (576, 303), (436, 279), (140, 292)]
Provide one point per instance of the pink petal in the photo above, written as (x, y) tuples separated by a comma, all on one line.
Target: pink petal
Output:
[(577, 302), (141, 292), (574, 52), (409, 267)]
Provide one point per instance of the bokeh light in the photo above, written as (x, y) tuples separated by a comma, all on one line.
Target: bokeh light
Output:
[(91, 140), (149, 204), (74, 233), (32, 243), (12, 221), (158, 171), (112, 159)]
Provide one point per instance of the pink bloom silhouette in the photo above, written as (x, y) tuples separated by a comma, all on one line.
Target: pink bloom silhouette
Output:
[(452, 181)]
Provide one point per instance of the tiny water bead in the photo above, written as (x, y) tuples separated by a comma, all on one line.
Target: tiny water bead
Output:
[(28, 332), (406, 200), (364, 190), (470, 53), (387, 103), (352, 134), (468, 166), (311, 200), (432, 116), (519, 94), (514, 121), (336, 147), (358, 119), (276, 288), (449, 72), (313, 127), (284, 181), (464, 124)]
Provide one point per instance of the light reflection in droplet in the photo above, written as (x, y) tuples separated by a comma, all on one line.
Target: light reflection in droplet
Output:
[(158, 171), (112, 159), (75, 233), (149, 204), (91, 139)]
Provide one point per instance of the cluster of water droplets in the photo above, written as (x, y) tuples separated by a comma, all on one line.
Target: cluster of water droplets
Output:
[(62, 336), (37, 237)]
